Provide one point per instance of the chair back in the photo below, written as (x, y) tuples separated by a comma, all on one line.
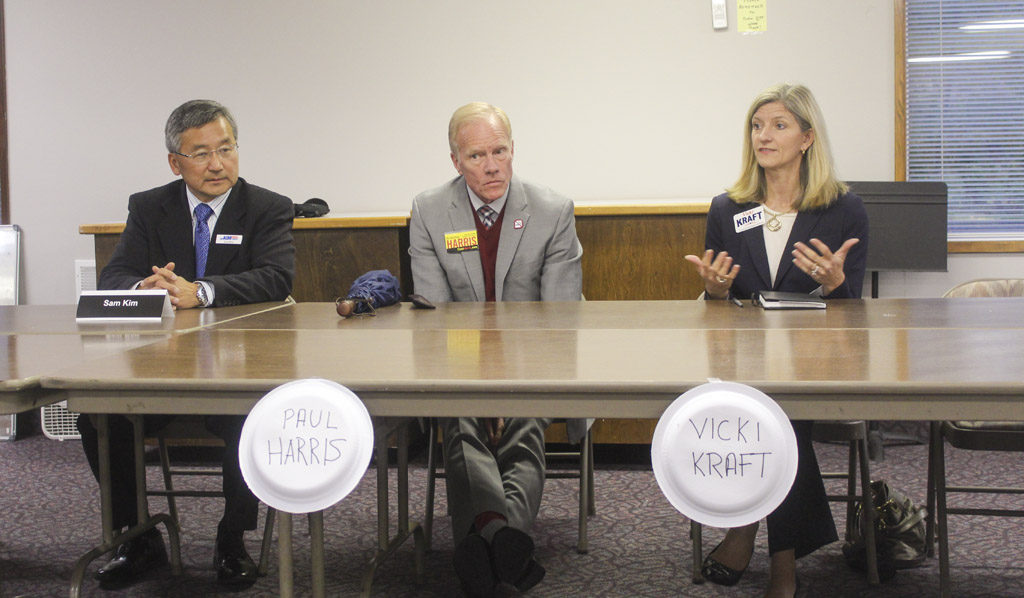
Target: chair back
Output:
[(988, 287), (959, 432)]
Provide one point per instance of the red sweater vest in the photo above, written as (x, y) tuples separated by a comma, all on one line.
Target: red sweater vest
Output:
[(488, 240)]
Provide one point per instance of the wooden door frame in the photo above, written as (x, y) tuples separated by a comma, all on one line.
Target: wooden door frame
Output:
[(5, 186)]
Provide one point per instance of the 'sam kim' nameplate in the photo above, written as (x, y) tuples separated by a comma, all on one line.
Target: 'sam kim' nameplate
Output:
[(106, 307)]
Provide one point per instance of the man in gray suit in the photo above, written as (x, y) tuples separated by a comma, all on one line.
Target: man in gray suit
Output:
[(489, 236)]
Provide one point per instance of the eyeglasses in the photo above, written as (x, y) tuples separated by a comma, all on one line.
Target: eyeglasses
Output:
[(224, 153)]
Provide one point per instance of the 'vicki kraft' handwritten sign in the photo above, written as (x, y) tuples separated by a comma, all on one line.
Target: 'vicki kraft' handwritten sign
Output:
[(724, 454), (305, 445), (738, 433)]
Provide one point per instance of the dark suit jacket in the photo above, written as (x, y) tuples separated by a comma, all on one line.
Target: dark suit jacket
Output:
[(803, 522), (844, 219), (159, 230)]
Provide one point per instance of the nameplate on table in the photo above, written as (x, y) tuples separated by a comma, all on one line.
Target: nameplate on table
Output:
[(107, 307)]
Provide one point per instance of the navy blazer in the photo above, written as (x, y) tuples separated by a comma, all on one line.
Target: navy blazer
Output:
[(845, 218), (159, 230)]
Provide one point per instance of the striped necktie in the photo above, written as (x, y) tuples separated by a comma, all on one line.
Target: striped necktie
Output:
[(203, 213), (487, 216)]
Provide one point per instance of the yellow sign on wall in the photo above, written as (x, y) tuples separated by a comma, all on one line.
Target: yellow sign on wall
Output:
[(752, 16)]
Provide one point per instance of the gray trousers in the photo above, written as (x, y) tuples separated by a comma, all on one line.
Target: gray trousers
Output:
[(508, 479)]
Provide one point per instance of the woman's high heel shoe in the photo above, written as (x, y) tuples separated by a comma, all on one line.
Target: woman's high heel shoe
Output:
[(720, 574)]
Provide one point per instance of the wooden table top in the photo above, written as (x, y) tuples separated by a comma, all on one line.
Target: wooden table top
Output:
[(877, 359), (60, 319), (25, 358), (41, 339), (698, 315)]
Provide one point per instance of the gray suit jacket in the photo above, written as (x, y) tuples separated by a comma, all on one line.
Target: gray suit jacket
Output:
[(538, 254)]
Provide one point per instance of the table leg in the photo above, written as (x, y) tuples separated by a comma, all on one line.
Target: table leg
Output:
[(419, 538), (696, 539), (385, 544), (402, 438), (383, 504), (285, 565), (106, 509), (142, 501), (586, 493), (268, 537), (428, 511), (316, 533), (109, 540)]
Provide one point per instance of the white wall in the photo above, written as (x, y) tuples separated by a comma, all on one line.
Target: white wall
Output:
[(349, 100), (961, 268)]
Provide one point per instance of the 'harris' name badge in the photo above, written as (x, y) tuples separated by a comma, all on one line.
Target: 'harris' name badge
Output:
[(229, 240), (113, 307), (750, 219), (461, 241)]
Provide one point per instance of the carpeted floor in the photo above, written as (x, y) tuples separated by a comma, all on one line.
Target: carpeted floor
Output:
[(639, 545)]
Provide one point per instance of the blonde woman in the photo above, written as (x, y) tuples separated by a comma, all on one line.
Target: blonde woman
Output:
[(787, 224)]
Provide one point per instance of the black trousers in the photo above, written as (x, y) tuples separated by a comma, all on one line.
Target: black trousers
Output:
[(803, 522), (241, 507)]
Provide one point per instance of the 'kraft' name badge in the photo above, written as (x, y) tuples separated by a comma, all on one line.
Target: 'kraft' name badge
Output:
[(461, 241), (750, 219), (228, 240), (112, 307)]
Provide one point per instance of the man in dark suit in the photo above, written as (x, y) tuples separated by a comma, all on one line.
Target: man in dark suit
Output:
[(210, 239), (489, 236)]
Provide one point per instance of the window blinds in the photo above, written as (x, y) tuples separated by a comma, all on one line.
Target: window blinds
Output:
[(965, 110)]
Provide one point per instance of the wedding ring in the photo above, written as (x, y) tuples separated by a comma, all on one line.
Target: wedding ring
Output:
[(814, 271), (721, 280)]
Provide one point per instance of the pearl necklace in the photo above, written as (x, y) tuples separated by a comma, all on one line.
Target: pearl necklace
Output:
[(774, 224)]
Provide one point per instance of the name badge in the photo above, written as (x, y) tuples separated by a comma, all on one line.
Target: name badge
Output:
[(229, 240), (101, 307), (749, 219), (461, 241)]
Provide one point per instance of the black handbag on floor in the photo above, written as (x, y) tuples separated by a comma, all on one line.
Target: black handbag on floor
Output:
[(899, 532)]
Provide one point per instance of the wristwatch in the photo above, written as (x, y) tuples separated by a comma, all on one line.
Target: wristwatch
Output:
[(201, 295)]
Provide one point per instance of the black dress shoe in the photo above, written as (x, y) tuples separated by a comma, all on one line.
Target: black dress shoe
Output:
[(532, 576), (132, 559), (472, 562), (512, 559), (718, 573), (234, 566)]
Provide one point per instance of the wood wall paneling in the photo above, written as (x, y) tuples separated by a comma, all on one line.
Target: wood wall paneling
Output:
[(327, 261), (631, 257), (103, 244)]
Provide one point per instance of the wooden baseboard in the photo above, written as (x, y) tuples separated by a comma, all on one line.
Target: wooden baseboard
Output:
[(611, 431)]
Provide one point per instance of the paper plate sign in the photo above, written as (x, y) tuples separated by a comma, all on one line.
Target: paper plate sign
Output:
[(305, 445), (724, 454)]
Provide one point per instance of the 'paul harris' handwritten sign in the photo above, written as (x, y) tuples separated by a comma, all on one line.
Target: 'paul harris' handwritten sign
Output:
[(305, 445), (309, 437), (724, 454)]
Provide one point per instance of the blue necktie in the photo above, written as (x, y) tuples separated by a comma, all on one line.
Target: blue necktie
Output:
[(203, 213), (487, 216)]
